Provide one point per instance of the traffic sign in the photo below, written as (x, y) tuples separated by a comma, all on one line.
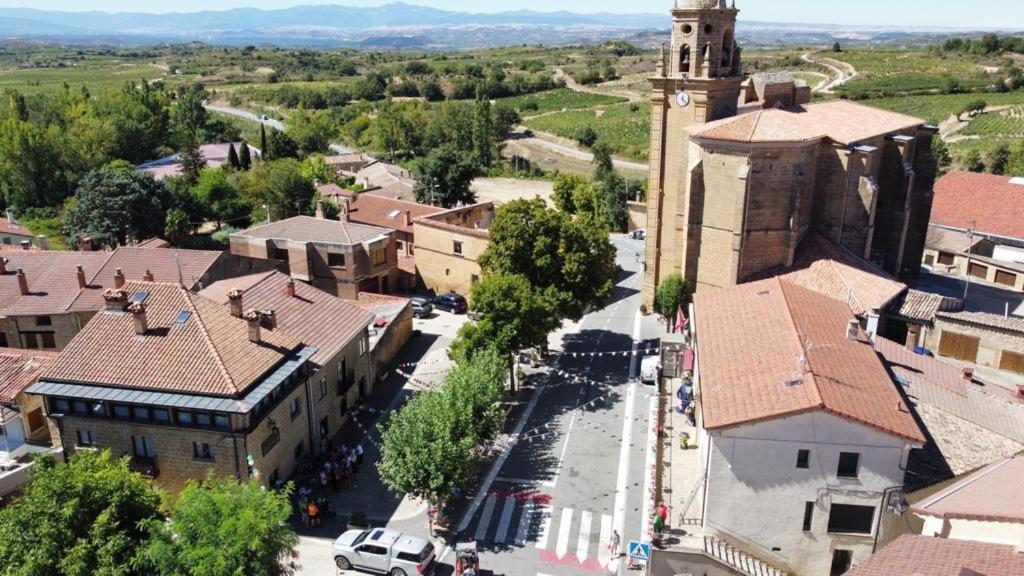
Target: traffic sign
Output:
[(640, 551)]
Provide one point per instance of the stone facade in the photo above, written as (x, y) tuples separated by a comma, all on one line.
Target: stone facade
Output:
[(993, 346), (449, 246), (722, 211)]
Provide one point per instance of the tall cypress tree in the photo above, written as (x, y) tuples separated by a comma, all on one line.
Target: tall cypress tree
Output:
[(244, 158), (263, 140), (233, 157)]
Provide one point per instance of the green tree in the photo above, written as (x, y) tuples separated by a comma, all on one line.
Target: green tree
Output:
[(233, 160), (975, 106), (115, 207), (445, 178), (280, 185), (586, 136), (311, 132), (603, 162), (281, 146), (672, 294), (264, 150), (244, 156), (221, 527), (998, 159), (315, 168), (189, 117), (1015, 163), (30, 164), (483, 133), (80, 518), (565, 186), (612, 193), (177, 227), (220, 196), (571, 261), (431, 90), (837, 47), (940, 150), (391, 130), (973, 161)]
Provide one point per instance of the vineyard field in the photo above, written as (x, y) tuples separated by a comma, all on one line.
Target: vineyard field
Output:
[(557, 100), (625, 130)]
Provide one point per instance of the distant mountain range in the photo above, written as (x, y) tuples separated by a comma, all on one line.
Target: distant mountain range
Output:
[(402, 26)]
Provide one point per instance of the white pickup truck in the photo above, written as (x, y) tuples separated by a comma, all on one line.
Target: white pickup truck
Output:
[(650, 369)]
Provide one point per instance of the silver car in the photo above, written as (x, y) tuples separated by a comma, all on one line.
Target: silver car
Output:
[(383, 551)]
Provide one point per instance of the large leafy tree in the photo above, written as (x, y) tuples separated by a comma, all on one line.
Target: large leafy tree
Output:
[(570, 261), (80, 518), (672, 294), (31, 173), (445, 178), (565, 187), (312, 132), (220, 195), (280, 185), (222, 528), (115, 206)]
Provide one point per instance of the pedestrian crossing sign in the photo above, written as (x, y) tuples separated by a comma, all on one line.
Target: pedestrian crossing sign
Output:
[(640, 551)]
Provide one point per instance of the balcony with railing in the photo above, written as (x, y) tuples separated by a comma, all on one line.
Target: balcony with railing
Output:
[(144, 465)]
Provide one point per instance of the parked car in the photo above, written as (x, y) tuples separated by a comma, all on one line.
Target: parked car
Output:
[(638, 234), (383, 551), (452, 302), (650, 369), (421, 307)]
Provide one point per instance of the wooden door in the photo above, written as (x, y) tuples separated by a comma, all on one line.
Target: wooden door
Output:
[(1006, 278), (978, 270), (959, 346), (1012, 361)]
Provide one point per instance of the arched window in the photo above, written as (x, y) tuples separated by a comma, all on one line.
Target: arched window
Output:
[(727, 50), (684, 59)]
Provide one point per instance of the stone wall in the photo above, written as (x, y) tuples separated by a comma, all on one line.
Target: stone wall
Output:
[(637, 216), (438, 265), (992, 341)]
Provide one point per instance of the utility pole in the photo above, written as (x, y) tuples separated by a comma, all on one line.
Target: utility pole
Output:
[(967, 275)]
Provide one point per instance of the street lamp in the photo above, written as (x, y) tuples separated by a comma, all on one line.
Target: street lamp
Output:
[(267, 208)]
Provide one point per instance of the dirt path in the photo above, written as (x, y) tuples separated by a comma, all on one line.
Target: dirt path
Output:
[(553, 153), (843, 73)]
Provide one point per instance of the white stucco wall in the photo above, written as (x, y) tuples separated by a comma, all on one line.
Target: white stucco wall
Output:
[(976, 530), (756, 495)]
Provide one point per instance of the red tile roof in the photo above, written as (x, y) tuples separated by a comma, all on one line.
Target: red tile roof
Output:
[(52, 280), (838, 273), (19, 369), (751, 342), (314, 316), (311, 229), (913, 555), (993, 494), (843, 121), (15, 229), (388, 212), (210, 353), (990, 204)]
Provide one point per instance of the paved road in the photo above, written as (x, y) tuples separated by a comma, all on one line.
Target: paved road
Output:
[(843, 72), (242, 113), (557, 498), (982, 296)]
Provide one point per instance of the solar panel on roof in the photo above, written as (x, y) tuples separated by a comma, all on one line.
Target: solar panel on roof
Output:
[(138, 297), (182, 317)]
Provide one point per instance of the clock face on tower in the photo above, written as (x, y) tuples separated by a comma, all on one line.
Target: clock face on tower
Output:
[(683, 98)]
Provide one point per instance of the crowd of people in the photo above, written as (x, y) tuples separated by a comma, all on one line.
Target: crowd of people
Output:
[(335, 468)]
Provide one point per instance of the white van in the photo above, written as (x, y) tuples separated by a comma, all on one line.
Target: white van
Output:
[(650, 369)]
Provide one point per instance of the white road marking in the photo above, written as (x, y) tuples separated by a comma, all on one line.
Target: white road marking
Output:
[(545, 527), (603, 554), (649, 463), (561, 457), (619, 512), (499, 462), (524, 523), (505, 520), (485, 517), (562, 544), (583, 540)]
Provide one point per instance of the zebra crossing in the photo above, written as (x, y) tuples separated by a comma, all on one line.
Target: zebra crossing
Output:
[(560, 535)]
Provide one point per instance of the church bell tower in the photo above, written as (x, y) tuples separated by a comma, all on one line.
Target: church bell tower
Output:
[(698, 80)]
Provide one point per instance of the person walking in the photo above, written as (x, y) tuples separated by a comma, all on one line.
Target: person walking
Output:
[(613, 545)]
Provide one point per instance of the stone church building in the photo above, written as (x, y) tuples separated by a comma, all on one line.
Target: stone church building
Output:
[(743, 169)]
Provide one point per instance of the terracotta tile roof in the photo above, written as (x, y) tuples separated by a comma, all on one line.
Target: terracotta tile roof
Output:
[(314, 316), (1009, 323), (332, 191), (451, 220), (154, 243), (918, 305), (750, 340), (311, 229), (992, 494), (209, 353), (19, 369), (950, 240), (15, 229), (166, 265), (836, 272), (969, 425), (216, 155), (387, 212), (914, 555), (990, 204), (843, 121), (52, 280), (407, 264)]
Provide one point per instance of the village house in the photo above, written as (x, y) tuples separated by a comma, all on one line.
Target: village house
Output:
[(449, 245), (46, 297), (979, 338), (183, 387), (23, 429), (976, 229), (803, 436), (341, 369), (13, 233), (339, 257), (215, 155)]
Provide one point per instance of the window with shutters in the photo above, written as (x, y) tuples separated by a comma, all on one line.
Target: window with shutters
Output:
[(959, 346), (1006, 278), (946, 258), (1012, 361), (978, 270)]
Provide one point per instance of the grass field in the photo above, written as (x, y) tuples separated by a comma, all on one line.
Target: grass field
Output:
[(627, 131), (249, 129), (94, 77), (559, 99), (936, 108)]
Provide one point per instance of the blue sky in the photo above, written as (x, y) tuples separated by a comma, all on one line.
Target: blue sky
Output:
[(953, 13)]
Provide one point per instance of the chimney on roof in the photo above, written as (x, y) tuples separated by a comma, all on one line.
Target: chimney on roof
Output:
[(344, 208), (3, 265), (967, 373), (268, 319), (235, 300), (118, 278), (148, 276), (138, 310), (289, 289), (80, 272), (10, 216), (320, 211), (252, 317), (22, 282), (115, 299), (873, 322), (85, 243), (851, 329), (44, 244), (407, 218), (26, 244)]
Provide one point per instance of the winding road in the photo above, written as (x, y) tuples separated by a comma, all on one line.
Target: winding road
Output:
[(842, 72)]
